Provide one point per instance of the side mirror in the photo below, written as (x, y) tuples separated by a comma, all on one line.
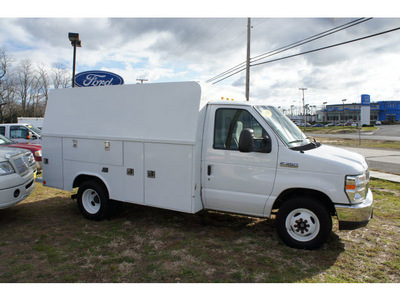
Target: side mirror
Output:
[(267, 145), (246, 140)]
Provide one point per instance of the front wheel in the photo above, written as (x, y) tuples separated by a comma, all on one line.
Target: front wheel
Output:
[(93, 201), (303, 223)]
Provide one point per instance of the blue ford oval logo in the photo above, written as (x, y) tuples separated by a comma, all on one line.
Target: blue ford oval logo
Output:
[(97, 78)]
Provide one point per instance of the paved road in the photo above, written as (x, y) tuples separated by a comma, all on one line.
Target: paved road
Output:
[(385, 132), (388, 130), (381, 160)]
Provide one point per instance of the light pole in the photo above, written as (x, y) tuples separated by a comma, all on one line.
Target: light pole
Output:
[(324, 106), (304, 109), (75, 42), (343, 109), (291, 112)]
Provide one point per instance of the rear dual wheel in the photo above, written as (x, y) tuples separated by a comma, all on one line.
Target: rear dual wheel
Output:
[(303, 223)]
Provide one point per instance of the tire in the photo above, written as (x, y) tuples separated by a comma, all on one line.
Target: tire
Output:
[(93, 200), (303, 223)]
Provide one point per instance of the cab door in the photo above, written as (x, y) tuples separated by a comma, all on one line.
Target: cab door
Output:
[(232, 180)]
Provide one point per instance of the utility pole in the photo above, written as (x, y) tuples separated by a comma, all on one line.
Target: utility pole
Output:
[(304, 108), (248, 60)]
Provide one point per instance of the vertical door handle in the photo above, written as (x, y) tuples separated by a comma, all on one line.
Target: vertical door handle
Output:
[(209, 170)]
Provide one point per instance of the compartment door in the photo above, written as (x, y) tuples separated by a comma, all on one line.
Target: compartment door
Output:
[(52, 163), (168, 176)]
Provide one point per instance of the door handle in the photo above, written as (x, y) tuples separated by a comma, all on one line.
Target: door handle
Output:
[(209, 170)]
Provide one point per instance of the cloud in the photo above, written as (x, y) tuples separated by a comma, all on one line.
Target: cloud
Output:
[(175, 49)]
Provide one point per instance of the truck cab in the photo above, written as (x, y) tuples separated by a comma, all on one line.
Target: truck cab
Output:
[(188, 147), (257, 162), (21, 133)]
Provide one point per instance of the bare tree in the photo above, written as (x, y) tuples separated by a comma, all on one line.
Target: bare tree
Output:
[(25, 77), (5, 63), (60, 76), (11, 109), (43, 81)]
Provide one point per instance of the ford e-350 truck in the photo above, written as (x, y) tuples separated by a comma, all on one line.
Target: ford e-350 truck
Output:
[(178, 146)]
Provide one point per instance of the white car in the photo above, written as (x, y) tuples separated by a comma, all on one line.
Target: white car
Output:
[(17, 169)]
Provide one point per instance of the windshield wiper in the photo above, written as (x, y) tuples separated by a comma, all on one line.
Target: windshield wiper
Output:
[(296, 141)]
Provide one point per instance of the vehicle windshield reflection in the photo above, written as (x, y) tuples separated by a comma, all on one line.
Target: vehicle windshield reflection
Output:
[(288, 132)]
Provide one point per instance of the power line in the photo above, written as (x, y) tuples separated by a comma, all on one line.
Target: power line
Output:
[(240, 67), (315, 50), (327, 47), (311, 38)]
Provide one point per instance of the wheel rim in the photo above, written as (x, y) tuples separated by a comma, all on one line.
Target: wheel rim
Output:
[(302, 225), (91, 201)]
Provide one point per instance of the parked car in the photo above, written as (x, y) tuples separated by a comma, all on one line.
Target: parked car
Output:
[(330, 125), (317, 125), (302, 124), (21, 133), (36, 150), (16, 176), (378, 123)]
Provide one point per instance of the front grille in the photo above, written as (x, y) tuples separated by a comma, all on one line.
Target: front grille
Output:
[(31, 159), (21, 164)]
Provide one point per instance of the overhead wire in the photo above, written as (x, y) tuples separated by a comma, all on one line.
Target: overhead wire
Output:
[(327, 47), (240, 67), (311, 38)]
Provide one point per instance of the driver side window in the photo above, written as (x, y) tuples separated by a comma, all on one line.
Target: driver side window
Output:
[(17, 132), (229, 123)]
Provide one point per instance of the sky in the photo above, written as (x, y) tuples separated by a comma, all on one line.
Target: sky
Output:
[(167, 46)]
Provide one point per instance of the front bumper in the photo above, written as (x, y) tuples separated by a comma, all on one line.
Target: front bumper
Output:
[(355, 216), (13, 195)]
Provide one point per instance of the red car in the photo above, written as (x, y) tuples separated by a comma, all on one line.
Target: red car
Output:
[(36, 150)]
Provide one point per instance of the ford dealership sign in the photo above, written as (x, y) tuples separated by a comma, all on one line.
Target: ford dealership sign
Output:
[(97, 78)]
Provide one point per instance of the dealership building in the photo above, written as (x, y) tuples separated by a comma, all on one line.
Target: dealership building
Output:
[(364, 112)]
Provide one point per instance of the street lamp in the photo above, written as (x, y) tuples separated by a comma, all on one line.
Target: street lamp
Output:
[(304, 109), (343, 109), (324, 106), (291, 112), (75, 42)]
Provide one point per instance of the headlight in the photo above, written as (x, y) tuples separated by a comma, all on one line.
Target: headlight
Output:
[(357, 187), (6, 168)]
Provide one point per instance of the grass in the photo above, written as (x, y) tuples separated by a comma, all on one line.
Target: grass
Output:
[(45, 239), (337, 129), (382, 144)]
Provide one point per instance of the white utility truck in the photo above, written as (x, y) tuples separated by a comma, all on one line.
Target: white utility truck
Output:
[(179, 146)]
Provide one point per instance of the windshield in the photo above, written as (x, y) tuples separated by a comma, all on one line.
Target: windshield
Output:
[(289, 133), (34, 129), (5, 141)]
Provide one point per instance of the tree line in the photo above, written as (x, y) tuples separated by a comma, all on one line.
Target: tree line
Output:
[(24, 87)]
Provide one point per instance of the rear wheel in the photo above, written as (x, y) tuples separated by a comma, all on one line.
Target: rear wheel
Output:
[(303, 223), (93, 201)]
